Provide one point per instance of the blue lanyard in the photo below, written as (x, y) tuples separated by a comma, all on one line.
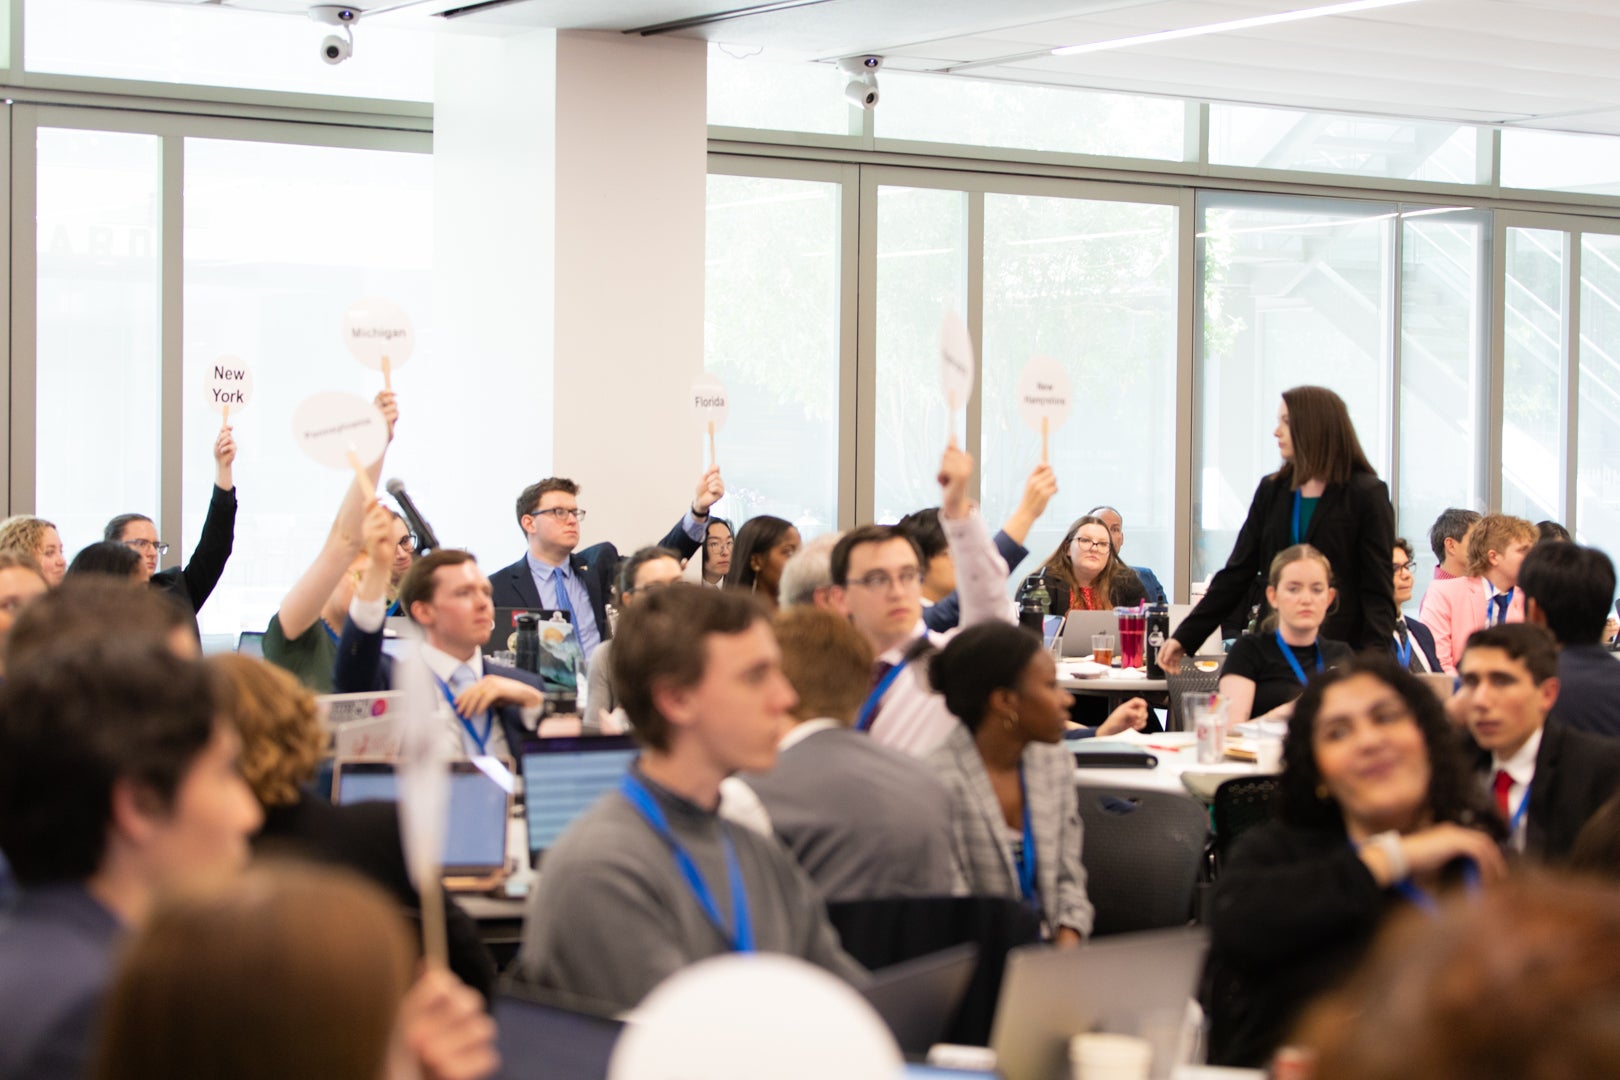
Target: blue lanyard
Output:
[(1490, 606), (1288, 655), (863, 719), (1518, 815), (1403, 651), (1026, 853), (1422, 899), (480, 741), (742, 940), (1297, 501), (331, 633)]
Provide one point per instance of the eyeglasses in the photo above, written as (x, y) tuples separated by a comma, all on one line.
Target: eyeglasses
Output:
[(1401, 567), (1091, 545), (719, 545), (144, 546), (406, 543), (881, 579), (561, 513)]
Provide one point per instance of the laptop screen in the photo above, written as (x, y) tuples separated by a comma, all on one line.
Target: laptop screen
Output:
[(562, 777), (476, 835)]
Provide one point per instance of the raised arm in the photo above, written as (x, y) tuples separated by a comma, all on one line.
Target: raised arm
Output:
[(303, 602), (981, 573), (688, 534), (213, 550), (1038, 492)]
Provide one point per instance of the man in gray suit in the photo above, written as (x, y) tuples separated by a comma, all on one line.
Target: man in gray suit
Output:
[(116, 781), (865, 821)]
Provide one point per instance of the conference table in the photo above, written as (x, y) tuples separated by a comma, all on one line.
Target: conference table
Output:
[(1177, 771)]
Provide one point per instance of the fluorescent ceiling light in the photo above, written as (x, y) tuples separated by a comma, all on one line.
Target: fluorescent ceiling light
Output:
[(1223, 27)]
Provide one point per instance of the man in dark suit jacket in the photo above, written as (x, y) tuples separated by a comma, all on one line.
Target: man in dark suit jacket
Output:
[(553, 576), (1547, 778), (191, 586), (449, 598), (1568, 589), (1413, 640)]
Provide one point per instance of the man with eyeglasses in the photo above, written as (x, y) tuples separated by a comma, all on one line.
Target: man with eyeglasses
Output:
[(877, 582), (191, 586), (552, 576), (1414, 642)]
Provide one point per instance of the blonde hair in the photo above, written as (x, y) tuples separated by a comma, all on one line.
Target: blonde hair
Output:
[(1284, 559), (1494, 532), (24, 533), (282, 738), (16, 559), (285, 971)]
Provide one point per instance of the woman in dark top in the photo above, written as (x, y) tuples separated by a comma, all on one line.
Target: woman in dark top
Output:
[(1376, 811), (1265, 672), (282, 743), (1327, 495), (1085, 572), (764, 545)]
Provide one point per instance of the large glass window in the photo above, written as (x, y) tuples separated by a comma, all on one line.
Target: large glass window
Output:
[(750, 88), (771, 335), (1443, 260), (1532, 347), (97, 419), (1093, 285), (983, 112), (279, 240), (1597, 488), (1295, 292), (1260, 138), (921, 273), (1559, 161), (216, 45)]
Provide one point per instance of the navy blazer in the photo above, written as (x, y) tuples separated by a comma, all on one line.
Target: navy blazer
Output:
[(1354, 526), (1423, 637), (596, 567), (1150, 582), (363, 668)]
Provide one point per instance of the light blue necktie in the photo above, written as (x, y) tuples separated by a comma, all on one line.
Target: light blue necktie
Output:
[(559, 585)]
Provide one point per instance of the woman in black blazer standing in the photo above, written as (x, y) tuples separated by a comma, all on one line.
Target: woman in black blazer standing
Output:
[(1327, 495)]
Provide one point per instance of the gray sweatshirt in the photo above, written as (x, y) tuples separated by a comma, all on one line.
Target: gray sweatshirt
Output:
[(611, 916)]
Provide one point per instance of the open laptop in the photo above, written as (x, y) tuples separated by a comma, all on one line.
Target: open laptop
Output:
[(542, 1036), (1129, 984), (1079, 627), (475, 840), (917, 998), (564, 776)]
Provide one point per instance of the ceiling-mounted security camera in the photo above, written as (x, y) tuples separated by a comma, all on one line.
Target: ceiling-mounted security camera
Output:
[(862, 89), (335, 49)]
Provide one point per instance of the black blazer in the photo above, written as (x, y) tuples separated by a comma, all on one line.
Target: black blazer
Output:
[(1423, 640), (363, 668), (192, 586), (513, 586), (1354, 526), (1576, 772), (365, 838)]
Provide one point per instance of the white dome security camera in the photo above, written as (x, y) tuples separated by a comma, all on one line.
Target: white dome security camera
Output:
[(335, 50), (862, 89)]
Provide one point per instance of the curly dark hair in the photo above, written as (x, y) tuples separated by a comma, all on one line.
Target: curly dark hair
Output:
[(1454, 793)]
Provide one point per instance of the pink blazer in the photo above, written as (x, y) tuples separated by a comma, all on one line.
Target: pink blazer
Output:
[(1454, 608)]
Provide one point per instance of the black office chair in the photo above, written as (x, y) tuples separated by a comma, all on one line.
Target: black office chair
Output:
[(1188, 681), (1240, 804), (1142, 851), (883, 932)]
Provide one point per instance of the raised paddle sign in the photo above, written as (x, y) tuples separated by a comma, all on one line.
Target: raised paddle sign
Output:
[(1044, 398), (379, 335), (229, 386), (710, 405), (956, 362), (341, 431)]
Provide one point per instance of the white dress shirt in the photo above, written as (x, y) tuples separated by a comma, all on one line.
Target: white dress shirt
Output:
[(1522, 768)]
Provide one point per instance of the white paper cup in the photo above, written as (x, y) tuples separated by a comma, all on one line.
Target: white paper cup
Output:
[(1110, 1057), (1268, 755)]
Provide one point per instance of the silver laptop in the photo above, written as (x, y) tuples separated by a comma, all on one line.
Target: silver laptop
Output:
[(1129, 984), (1079, 627), (1211, 645)]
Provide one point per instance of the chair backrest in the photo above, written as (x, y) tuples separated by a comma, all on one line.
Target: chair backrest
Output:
[(1142, 850), (883, 932), (1187, 682), (1240, 804)]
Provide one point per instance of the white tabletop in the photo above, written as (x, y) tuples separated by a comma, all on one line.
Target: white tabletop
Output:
[(1177, 752), (1079, 673)]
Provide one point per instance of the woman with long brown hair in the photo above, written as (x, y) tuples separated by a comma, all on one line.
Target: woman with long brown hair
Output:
[(1326, 494), (1085, 572)]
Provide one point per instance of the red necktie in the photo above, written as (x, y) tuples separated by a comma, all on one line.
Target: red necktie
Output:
[(1499, 788)]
